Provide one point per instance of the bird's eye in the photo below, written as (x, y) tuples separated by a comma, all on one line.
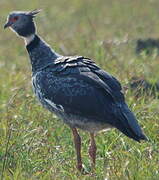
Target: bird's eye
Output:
[(16, 18)]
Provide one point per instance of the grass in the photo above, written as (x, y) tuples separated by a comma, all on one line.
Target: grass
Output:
[(34, 144)]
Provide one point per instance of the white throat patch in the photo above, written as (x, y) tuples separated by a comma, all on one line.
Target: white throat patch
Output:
[(29, 39)]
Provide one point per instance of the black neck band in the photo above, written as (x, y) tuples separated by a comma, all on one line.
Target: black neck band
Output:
[(34, 43)]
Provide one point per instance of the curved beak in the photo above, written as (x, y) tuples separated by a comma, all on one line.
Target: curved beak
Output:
[(8, 24)]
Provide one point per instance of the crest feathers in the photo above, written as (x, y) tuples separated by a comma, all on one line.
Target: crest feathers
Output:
[(34, 12)]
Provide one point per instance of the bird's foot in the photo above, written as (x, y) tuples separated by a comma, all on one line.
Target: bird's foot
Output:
[(92, 166), (81, 169)]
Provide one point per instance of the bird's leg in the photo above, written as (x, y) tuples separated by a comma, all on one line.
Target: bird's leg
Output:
[(92, 150), (77, 142)]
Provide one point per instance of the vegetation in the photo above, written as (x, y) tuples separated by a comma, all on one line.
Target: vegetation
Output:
[(34, 144)]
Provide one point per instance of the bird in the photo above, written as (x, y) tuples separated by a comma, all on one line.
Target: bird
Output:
[(74, 88)]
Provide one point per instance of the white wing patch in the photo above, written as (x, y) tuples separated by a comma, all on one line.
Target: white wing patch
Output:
[(54, 106)]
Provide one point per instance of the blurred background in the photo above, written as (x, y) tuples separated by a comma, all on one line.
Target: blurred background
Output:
[(34, 144)]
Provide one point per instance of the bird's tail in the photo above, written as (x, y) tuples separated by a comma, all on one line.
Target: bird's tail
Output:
[(127, 123)]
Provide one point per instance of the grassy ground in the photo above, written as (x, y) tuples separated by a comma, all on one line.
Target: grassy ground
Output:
[(34, 144)]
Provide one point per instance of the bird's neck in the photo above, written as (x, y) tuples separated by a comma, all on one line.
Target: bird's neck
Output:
[(39, 52), (28, 39)]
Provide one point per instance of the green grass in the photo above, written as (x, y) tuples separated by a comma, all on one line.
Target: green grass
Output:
[(34, 144)]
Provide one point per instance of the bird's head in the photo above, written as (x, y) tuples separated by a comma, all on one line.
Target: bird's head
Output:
[(22, 22)]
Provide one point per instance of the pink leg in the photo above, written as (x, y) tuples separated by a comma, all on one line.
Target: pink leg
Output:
[(92, 150), (77, 142)]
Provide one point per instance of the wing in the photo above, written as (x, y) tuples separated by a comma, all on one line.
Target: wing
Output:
[(81, 87), (86, 67)]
